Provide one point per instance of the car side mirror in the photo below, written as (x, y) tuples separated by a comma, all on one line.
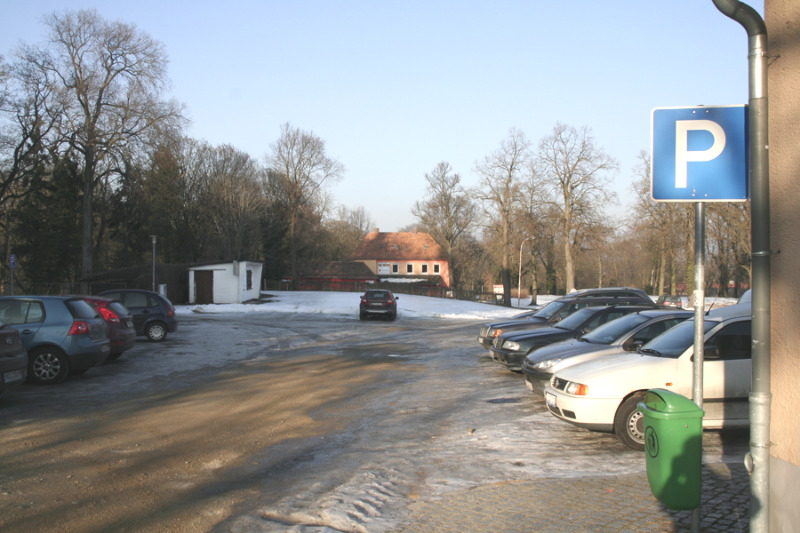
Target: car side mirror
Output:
[(709, 352)]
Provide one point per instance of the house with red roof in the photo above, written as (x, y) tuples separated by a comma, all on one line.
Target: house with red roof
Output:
[(404, 257)]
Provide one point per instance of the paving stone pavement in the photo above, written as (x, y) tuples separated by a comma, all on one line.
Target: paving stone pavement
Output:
[(621, 503)]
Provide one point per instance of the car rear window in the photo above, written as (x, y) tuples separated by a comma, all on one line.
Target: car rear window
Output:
[(377, 295), (119, 309), (80, 308)]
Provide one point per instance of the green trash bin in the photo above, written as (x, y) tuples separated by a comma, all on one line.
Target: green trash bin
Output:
[(673, 433)]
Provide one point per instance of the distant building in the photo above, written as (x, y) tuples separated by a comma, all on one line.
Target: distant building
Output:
[(404, 257), (334, 276), (224, 283)]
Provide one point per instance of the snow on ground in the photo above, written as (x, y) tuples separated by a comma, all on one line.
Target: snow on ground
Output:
[(346, 303)]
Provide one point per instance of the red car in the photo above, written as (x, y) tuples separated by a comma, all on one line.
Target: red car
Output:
[(378, 302), (119, 323)]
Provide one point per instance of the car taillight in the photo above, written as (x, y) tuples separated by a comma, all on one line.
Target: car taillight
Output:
[(170, 310), (79, 327), (109, 315)]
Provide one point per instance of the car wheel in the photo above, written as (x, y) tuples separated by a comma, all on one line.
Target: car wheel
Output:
[(362, 316), (629, 423), (156, 331), (47, 366)]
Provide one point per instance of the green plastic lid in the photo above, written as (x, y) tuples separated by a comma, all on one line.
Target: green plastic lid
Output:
[(662, 403)]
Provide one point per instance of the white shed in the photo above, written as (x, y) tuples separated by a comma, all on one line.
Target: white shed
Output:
[(225, 283)]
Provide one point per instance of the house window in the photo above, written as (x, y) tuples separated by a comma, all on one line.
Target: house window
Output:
[(436, 269), (425, 268), (395, 268), (409, 268), (384, 268), (249, 280)]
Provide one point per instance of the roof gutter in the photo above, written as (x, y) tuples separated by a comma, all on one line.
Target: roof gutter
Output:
[(760, 396)]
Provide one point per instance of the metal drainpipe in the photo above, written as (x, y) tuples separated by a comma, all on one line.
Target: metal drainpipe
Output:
[(760, 395)]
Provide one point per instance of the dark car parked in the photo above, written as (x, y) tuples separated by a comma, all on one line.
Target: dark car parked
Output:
[(510, 349), (63, 334), (625, 334), (119, 324), (558, 309), (153, 314), (673, 300), (13, 358), (378, 302)]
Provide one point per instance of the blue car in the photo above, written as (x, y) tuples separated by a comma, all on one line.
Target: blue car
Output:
[(62, 334)]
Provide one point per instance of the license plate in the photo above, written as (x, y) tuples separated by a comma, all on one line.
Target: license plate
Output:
[(11, 377), (550, 398)]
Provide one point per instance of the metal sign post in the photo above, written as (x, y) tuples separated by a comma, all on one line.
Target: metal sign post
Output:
[(699, 154), (12, 262)]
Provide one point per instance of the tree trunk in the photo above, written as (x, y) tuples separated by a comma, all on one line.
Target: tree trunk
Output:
[(86, 225), (534, 281), (569, 267)]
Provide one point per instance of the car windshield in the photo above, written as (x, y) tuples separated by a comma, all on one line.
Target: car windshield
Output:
[(676, 340), (550, 310), (611, 331), (576, 319)]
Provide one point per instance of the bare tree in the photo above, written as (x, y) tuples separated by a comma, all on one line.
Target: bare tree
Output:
[(446, 213), (299, 171), (666, 225), (501, 174), (346, 232), (576, 171), (235, 199), (104, 81)]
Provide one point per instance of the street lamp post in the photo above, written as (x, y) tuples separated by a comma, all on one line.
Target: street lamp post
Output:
[(154, 237), (519, 279)]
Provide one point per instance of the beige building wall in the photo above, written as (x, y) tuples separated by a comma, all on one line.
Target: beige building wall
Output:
[(783, 30)]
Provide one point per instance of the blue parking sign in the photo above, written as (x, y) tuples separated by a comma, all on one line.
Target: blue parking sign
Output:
[(699, 154)]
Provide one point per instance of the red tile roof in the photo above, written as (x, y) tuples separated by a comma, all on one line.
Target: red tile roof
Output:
[(399, 246)]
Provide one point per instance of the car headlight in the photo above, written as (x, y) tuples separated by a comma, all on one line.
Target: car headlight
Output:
[(546, 364), (511, 345), (576, 389)]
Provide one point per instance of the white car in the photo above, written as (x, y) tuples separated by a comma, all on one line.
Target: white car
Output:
[(603, 394)]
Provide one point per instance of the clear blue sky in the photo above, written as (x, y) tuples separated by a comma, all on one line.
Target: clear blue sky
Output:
[(393, 88)]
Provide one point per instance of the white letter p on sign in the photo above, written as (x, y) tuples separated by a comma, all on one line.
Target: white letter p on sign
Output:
[(682, 153)]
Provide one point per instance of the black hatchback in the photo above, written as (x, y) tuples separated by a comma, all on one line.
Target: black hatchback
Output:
[(153, 314)]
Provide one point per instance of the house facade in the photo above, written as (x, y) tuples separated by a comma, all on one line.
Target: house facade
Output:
[(404, 257)]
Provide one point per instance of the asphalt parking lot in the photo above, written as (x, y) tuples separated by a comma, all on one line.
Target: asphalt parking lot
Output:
[(277, 422)]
